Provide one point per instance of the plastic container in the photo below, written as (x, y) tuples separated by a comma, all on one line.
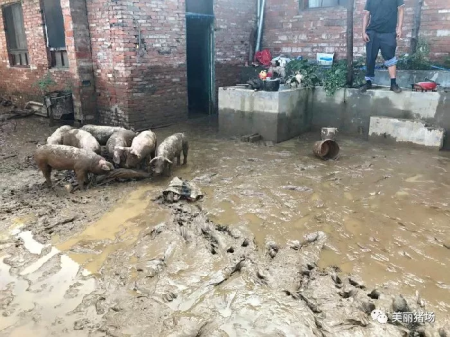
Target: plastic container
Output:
[(272, 85)]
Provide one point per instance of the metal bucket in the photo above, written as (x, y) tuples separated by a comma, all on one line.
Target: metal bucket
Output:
[(329, 133), (326, 149)]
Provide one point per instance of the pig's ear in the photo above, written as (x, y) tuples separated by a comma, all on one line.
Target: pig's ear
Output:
[(133, 152), (167, 160), (104, 165), (153, 160)]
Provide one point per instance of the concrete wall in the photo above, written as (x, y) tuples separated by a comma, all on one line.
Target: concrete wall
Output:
[(350, 111), (276, 116), (407, 77), (279, 116), (406, 131), (290, 29)]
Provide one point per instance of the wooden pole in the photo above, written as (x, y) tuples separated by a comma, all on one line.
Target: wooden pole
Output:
[(416, 25), (350, 5)]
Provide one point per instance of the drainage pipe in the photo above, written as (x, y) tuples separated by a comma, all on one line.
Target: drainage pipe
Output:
[(258, 11), (260, 27)]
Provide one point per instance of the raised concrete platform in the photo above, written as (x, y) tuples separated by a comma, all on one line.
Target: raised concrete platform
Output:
[(276, 116), (279, 116), (407, 77), (350, 111), (406, 131)]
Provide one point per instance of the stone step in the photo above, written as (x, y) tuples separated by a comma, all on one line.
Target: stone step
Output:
[(406, 131)]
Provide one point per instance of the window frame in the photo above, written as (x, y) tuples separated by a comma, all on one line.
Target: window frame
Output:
[(57, 57), (304, 5), (13, 53)]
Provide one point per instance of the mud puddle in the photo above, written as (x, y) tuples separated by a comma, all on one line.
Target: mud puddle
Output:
[(384, 212), (41, 288)]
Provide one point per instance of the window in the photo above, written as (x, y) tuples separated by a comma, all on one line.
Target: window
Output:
[(15, 35), (304, 4), (200, 6), (55, 33)]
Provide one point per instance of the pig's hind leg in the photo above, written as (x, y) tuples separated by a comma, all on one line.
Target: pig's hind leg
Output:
[(46, 171), (185, 152), (81, 178)]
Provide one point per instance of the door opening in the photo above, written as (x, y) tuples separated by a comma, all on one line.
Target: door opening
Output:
[(200, 56)]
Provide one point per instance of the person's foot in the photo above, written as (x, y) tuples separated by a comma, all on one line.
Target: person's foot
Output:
[(395, 88), (365, 87)]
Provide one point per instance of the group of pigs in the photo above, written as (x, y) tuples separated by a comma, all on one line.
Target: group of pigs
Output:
[(79, 150)]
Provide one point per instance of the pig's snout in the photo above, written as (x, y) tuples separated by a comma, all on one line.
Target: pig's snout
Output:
[(105, 166)]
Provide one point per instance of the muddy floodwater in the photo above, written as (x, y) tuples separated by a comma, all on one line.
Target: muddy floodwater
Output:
[(282, 244)]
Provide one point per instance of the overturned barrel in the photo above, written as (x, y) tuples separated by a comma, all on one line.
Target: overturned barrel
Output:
[(326, 149)]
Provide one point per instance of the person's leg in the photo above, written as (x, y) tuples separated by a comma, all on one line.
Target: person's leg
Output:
[(372, 49), (388, 46)]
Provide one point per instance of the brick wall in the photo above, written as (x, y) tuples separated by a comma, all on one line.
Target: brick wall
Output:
[(139, 83), (297, 32), (128, 59), (235, 20), (146, 86), (19, 83)]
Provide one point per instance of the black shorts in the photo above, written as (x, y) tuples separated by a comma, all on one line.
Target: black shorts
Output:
[(387, 43)]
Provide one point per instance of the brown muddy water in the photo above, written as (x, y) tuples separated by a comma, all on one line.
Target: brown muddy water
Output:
[(89, 264)]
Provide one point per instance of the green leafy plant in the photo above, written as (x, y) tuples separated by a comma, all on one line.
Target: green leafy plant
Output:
[(359, 71), (335, 78), (308, 70), (69, 86), (45, 83), (447, 61), (332, 79), (419, 60)]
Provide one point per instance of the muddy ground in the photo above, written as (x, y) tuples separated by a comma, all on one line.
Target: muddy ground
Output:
[(282, 244)]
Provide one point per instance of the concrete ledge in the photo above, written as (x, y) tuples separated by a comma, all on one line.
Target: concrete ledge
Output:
[(350, 111), (279, 116), (407, 77), (409, 131), (276, 116)]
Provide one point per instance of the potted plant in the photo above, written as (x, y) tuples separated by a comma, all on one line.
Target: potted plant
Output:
[(59, 104)]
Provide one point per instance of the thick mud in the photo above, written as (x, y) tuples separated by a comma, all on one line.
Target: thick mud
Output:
[(282, 244)]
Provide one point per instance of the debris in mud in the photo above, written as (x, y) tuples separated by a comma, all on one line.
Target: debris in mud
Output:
[(182, 189), (297, 188), (399, 304), (253, 138), (122, 174)]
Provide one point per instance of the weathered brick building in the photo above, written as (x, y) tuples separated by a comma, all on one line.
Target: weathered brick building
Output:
[(126, 61), (145, 63)]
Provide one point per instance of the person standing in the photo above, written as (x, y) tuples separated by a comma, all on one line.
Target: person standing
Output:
[(382, 25)]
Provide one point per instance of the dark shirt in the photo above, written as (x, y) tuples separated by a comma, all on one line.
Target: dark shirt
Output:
[(383, 15)]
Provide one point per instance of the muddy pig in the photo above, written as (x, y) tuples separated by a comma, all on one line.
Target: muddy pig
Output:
[(170, 149), (62, 157), (101, 132), (116, 145), (82, 140), (142, 149), (57, 137)]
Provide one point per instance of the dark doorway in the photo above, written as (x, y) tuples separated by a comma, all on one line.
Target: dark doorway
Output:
[(199, 54)]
